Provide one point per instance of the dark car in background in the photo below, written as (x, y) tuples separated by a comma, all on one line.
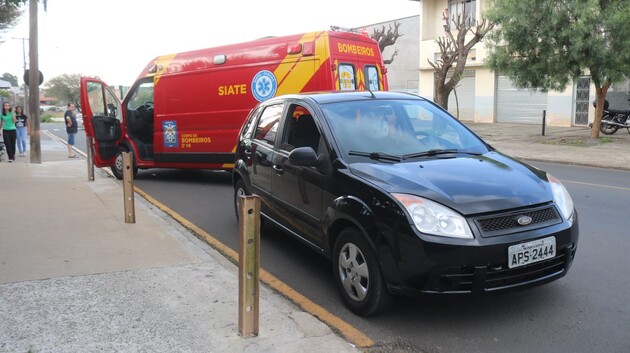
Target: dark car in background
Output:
[(402, 197)]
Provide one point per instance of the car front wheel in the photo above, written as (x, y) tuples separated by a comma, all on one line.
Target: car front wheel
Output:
[(358, 275), (117, 168)]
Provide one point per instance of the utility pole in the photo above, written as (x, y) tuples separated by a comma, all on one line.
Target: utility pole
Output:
[(26, 105), (33, 79)]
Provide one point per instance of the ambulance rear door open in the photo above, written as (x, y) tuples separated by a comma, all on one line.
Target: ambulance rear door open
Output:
[(102, 118)]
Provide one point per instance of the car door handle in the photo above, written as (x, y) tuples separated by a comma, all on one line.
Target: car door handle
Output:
[(278, 169)]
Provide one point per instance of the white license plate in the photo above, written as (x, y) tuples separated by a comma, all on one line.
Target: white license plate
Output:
[(531, 252)]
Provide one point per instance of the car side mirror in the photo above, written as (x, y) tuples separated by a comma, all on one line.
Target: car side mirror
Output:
[(303, 156)]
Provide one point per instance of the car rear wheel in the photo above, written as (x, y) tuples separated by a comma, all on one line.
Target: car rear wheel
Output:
[(358, 275), (239, 190)]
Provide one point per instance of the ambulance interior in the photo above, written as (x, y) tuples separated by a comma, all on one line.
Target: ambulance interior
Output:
[(140, 111)]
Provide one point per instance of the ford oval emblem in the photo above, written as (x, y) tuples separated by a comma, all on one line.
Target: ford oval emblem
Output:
[(524, 220)]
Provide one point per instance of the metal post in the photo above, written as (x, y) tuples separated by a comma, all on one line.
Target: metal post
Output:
[(249, 265), (130, 212), (544, 122), (26, 106), (90, 159)]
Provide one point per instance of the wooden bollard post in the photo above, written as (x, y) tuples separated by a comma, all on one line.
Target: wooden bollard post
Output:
[(249, 265), (90, 158), (130, 212)]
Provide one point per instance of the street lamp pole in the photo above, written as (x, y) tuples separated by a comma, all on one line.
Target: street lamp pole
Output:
[(33, 78), (26, 105)]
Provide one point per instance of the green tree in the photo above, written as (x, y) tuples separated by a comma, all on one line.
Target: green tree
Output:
[(544, 44), (10, 12), (13, 80), (66, 88)]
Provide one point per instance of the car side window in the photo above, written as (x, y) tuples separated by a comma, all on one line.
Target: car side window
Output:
[(300, 129), (102, 100), (267, 126), (247, 132), (142, 94)]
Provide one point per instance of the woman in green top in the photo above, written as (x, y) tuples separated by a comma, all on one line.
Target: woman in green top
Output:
[(9, 133)]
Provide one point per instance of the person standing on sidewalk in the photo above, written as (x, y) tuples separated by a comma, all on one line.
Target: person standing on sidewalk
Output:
[(71, 128), (22, 130), (9, 134)]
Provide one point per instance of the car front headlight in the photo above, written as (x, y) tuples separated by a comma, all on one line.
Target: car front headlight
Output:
[(432, 218), (561, 197)]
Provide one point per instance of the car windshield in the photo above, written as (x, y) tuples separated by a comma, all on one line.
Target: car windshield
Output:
[(400, 129)]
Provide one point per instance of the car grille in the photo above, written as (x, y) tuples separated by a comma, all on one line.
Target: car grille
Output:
[(505, 278), (494, 278), (496, 225)]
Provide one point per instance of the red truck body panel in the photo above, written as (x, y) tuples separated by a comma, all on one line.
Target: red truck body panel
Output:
[(185, 110)]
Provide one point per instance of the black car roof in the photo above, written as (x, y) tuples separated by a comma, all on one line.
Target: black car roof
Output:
[(345, 96)]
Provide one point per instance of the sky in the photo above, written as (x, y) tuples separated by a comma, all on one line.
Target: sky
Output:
[(116, 39)]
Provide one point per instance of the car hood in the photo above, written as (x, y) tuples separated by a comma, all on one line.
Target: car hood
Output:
[(467, 184)]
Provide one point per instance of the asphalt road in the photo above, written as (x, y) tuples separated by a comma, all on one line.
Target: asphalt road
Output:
[(586, 311)]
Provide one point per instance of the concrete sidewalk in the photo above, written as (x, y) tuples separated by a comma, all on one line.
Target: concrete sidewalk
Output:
[(570, 145), (74, 277)]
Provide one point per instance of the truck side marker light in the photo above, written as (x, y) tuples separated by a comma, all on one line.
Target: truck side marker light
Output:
[(294, 48)]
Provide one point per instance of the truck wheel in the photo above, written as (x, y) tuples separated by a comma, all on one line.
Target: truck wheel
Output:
[(358, 275), (117, 169)]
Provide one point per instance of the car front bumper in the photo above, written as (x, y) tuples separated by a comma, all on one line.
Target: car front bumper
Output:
[(440, 268)]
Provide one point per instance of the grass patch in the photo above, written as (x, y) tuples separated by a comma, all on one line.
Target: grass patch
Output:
[(46, 118), (578, 141), (606, 139)]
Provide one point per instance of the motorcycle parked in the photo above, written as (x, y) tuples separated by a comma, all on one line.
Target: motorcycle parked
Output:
[(613, 119)]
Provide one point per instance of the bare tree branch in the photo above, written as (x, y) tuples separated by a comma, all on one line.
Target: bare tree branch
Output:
[(386, 37), (454, 52)]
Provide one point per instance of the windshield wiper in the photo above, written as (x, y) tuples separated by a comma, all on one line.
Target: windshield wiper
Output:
[(436, 152), (376, 155)]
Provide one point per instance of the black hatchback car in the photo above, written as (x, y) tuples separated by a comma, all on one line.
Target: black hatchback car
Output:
[(402, 197)]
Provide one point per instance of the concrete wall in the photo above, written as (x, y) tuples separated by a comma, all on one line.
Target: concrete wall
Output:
[(402, 73)]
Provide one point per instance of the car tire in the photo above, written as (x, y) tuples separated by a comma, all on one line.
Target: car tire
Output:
[(117, 168), (358, 275), (239, 190)]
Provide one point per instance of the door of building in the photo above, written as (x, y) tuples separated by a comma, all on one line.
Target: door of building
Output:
[(518, 105), (461, 101), (582, 93)]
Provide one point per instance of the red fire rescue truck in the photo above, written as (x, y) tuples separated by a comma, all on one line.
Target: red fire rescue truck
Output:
[(185, 110)]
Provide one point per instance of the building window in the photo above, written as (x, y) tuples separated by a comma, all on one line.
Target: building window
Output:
[(459, 7)]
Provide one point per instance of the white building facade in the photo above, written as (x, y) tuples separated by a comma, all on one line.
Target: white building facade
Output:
[(486, 96)]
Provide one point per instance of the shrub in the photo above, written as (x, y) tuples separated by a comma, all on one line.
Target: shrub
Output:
[(46, 118)]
